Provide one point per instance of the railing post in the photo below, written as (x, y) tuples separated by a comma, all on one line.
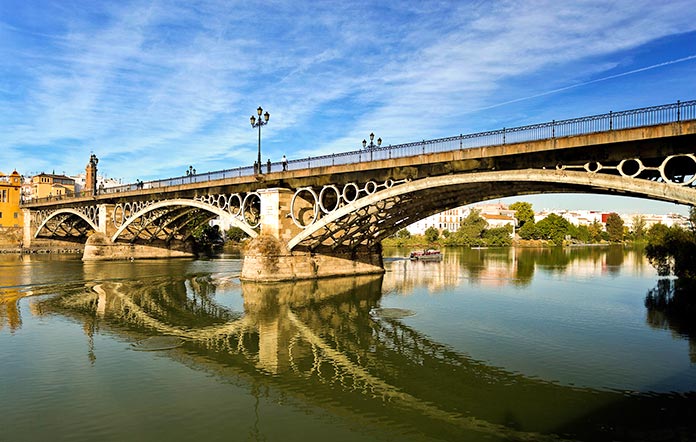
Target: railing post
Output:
[(503, 135), (611, 121), (553, 128), (678, 111)]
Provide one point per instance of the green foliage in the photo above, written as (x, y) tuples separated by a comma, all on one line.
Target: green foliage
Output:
[(403, 233), (207, 235), (523, 212), (528, 230), (470, 232), (615, 227), (672, 250), (431, 234), (595, 230), (403, 238), (554, 228), (582, 234), (236, 234), (498, 236), (638, 231)]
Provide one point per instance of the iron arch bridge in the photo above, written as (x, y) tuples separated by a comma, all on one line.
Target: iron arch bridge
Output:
[(351, 201), (369, 213), (180, 217), (151, 220)]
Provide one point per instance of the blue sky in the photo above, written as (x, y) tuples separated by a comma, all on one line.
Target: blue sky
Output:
[(152, 87)]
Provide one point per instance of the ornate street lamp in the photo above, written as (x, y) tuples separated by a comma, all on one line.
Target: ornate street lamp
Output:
[(372, 145), (258, 124)]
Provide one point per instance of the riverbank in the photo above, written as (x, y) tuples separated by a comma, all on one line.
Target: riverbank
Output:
[(5, 250), (421, 243)]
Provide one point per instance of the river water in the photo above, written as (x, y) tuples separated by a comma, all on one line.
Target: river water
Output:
[(489, 344)]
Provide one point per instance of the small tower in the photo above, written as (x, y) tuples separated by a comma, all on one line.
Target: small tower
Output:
[(91, 175)]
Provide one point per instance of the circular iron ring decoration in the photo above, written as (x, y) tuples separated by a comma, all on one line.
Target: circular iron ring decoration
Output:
[(321, 198), (370, 187), (314, 208), (593, 166), (235, 210), (350, 188), (246, 205), (625, 167), (669, 179)]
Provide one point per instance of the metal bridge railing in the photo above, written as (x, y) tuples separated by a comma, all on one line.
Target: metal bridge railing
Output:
[(628, 119)]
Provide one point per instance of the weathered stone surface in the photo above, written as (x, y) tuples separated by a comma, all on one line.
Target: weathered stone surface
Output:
[(100, 248), (266, 259)]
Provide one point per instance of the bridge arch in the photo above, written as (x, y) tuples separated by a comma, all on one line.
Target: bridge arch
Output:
[(66, 214), (486, 185), (179, 203)]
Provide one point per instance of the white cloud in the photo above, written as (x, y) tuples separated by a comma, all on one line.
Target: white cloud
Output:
[(173, 83)]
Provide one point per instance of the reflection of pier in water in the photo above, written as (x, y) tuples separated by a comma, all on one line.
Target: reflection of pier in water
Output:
[(320, 343)]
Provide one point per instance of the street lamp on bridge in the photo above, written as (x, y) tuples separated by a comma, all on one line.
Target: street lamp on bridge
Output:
[(372, 145), (259, 123)]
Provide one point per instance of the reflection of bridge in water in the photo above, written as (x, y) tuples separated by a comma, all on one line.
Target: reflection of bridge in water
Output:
[(321, 341)]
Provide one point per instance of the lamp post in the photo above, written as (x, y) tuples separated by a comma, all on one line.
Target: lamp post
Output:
[(372, 145), (259, 123)]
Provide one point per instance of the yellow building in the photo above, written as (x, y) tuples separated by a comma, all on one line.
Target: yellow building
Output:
[(55, 186), (10, 214)]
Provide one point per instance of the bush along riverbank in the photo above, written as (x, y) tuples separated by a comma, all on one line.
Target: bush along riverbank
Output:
[(553, 230)]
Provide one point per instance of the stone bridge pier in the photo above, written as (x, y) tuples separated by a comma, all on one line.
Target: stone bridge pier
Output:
[(268, 257)]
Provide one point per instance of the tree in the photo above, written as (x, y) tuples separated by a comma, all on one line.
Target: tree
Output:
[(672, 250), (403, 234), (582, 234), (523, 212), (236, 234), (431, 234), (638, 228), (498, 236), (528, 230), (553, 227), (470, 232), (615, 227), (207, 235), (595, 229)]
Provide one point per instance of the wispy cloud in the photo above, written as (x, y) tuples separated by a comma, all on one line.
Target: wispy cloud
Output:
[(152, 87)]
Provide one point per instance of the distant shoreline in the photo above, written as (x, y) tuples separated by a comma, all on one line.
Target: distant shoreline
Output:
[(16, 250)]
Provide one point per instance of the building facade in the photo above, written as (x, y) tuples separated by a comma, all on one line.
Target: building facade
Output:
[(10, 199), (47, 185), (496, 214)]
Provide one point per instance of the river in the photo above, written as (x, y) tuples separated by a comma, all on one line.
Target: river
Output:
[(488, 344)]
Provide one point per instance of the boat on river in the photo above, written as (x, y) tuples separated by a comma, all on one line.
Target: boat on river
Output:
[(425, 255)]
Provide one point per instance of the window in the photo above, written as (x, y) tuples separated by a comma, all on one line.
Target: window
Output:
[(16, 215)]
